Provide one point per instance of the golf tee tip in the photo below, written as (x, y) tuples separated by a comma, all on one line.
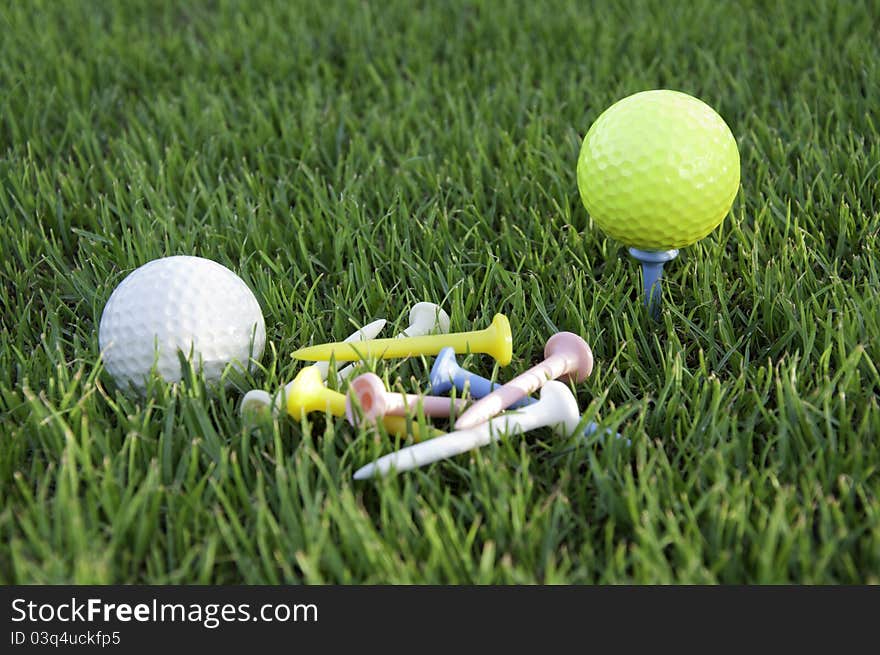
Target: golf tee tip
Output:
[(364, 473)]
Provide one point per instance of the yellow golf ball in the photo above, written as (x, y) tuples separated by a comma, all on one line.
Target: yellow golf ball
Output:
[(658, 170)]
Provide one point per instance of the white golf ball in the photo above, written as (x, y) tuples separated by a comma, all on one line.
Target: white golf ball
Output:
[(186, 303)]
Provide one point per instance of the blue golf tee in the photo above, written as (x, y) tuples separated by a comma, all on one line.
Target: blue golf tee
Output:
[(652, 271)]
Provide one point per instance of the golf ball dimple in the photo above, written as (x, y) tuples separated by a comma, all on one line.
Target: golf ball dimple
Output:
[(658, 170), (179, 303)]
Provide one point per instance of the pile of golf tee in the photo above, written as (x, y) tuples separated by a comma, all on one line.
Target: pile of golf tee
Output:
[(483, 410)]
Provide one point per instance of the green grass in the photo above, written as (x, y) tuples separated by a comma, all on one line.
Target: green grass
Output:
[(348, 159)]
